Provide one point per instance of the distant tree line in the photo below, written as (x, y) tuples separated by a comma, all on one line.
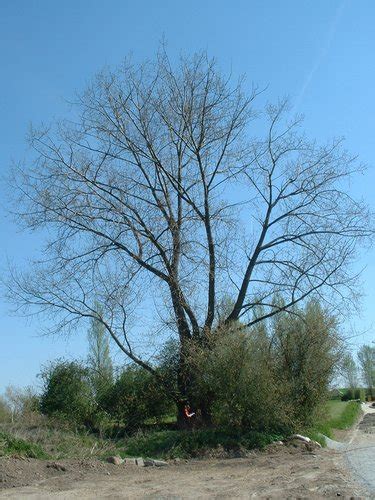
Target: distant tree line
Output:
[(360, 373)]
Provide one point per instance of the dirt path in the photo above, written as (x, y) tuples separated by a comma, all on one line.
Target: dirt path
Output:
[(280, 472), (360, 452)]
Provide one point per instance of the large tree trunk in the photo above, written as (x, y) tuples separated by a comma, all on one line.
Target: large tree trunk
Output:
[(188, 389)]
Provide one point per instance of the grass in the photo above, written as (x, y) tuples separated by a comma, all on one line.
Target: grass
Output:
[(169, 444), (10, 445), (339, 415), (46, 440), (49, 439), (342, 415)]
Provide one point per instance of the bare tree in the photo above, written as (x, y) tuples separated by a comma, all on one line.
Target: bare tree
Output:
[(366, 358), (349, 371), (158, 198)]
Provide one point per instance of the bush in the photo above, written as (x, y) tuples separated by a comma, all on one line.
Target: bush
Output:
[(306, 348), (267, 379), (67, 393), (134, 397), (360, 394), (348, 395), (235, 376)]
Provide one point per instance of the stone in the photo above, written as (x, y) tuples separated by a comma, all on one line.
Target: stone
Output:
[(305, 439), (140, 462), (160, 463), (318, 445), (115, 460), (130, 461), (148, 462)]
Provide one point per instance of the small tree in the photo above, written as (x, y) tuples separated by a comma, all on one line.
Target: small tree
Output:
[(99, 359), (306, 349), (349, 372), (21, 401), (366, 357), (134, 397), (67, 392)]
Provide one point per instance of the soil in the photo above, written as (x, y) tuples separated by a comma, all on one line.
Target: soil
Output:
[(278, 472)]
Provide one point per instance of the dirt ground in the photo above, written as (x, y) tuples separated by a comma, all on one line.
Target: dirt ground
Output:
[(279, 472)]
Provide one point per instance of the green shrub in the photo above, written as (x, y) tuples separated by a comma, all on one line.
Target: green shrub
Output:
[(306, 350), (237, 378), (271, 378), (67, 393), (360, 394), (134, 397)]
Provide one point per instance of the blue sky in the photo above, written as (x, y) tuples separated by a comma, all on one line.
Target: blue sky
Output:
[(319, 52)]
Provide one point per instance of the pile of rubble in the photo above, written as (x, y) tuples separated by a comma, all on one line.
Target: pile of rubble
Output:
[(139, 462)]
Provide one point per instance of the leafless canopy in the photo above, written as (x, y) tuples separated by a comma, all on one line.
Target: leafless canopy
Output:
[(157, 197)]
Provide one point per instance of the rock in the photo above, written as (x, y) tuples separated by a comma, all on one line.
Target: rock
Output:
[(148, 462), (159, 463), (145, 462), (280, 443), (115, 460), (130, 461), (305, 439), (318, 445)]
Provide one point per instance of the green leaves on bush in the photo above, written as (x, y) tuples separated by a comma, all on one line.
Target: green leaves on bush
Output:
[(67, 393), (134, 397)]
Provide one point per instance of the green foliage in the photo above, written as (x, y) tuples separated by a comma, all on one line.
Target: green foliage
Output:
[(360, 394), (186, 444), (67, 393), (348, 395), (10, 445), (306, 350), (271, 378), (355, 393), (236, 376), (134, 397), (366, 357), (349, 370)]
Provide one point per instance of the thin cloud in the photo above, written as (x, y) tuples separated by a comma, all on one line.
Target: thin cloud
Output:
[(322, 53)]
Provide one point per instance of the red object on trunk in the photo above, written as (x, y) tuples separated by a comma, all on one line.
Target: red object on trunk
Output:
[(188, 412)]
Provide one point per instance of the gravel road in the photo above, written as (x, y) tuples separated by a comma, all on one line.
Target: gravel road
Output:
[(360, 451)]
